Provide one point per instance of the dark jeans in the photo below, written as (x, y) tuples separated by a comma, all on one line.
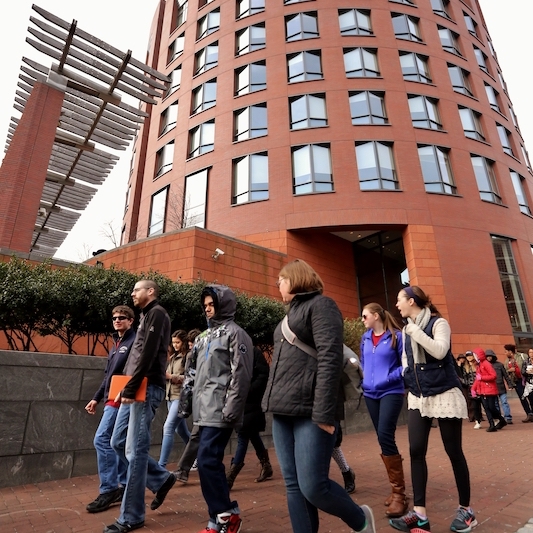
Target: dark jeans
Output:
[(476, 405), (527, 402), (491, 409), (451, 434), (243, 438), (191, 450), (213, 442), (384, 414), (304, 454)]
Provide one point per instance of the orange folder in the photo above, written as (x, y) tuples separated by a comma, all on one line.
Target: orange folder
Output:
[(118, 382)]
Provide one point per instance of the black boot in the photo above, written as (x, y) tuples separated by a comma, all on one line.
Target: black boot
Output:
[(233, 473), (266, 468)]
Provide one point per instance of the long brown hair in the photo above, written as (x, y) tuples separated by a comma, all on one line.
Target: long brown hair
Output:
[(181, 334), (389, 322), (425, 300)]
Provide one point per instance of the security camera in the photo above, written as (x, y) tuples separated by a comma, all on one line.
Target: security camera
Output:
[(218, 252), (41, 212)]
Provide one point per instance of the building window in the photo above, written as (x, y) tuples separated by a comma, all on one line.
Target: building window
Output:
[(440, 7), (436, 169), (164, 159), (175, 81), (406, 27), (502, 81), (168, 119), (486, 180), (176, 48), (471, 25), (361, 63), (158, 210), (406, 2), (250, 78), (368, 107), (492, 96), (206, 58), (250, 178), (195, 197), (525, 155), (181, 13), (250, 39), (311, 169), (204, 96), (304, 66), (355, 22), (414, 67), (519, 185), (470, 120), (202, 3), (287, 2), (202, 139), (208, 24), (512, 288), (481, 59), (491, 48), (301, 26), (459, 79), (308, 111), (424, 112), (245, 8), (513, 118), (505, 139), (375, 166), (449, 41), (250, 122)]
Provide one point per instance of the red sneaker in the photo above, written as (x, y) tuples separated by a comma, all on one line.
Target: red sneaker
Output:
[(230, 522)]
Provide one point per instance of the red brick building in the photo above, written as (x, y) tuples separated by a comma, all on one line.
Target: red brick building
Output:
[(375, 139)]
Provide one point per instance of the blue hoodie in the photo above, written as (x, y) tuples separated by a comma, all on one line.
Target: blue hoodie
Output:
[(382, 365)]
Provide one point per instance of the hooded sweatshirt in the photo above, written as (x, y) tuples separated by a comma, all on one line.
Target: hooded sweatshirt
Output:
[(223, 360)]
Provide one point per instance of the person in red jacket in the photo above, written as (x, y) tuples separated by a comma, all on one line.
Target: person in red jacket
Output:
[(485, 388)]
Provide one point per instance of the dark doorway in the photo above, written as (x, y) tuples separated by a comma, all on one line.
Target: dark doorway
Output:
[(379, 264)]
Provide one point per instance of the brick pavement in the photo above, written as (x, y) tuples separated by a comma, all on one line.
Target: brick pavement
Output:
[(502, 492)]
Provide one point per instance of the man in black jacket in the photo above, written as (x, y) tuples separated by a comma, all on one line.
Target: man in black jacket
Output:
[(502, 377), (111, 470), (131, 436)]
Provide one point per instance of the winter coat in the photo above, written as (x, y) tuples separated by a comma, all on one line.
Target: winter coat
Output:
[(298, 384), (176, 368), (118, 355), (223, 363), (254, 418), (485, 383), (382, 365), (501, 377), (148, 356), (528, 378)]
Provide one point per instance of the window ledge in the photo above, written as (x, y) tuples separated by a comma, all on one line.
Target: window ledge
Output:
[(453, 195), (494, 203)]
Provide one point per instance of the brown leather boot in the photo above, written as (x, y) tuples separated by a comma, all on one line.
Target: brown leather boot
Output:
[(397, 500), (233, 473), (266, 468)]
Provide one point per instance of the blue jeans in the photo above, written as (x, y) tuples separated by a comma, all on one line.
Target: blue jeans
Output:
[(131, 441), (384, 414), (505, 407), (173, 423), (212, 444), (243, 438), (111, 470), (304, 454)]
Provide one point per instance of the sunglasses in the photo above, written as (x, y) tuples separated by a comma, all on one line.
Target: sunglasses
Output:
[(121, 317), (364, 317)]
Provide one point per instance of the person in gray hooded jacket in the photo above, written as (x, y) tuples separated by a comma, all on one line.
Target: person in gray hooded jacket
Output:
[(222, 364)]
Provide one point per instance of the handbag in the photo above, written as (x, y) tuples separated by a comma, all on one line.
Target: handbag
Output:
[(352, 377)]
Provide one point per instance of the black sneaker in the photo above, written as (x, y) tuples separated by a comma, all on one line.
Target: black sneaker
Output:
[(410, 522), (161, 494), (104, 501), (182, 475)]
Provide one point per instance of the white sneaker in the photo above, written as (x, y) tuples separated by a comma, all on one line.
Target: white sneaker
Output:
[(194, 466), (477, 426), (370, 522)]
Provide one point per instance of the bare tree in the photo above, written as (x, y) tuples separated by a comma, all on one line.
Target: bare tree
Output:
[(110, 232)]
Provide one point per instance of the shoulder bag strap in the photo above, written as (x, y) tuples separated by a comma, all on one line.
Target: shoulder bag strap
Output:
[(291, 338)]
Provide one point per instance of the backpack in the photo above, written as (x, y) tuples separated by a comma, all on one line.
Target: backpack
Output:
[(352, 373)]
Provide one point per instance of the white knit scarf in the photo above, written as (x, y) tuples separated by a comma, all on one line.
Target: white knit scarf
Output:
[(422, 321)]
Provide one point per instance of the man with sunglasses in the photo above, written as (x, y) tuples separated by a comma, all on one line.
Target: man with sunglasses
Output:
[(111, 470)]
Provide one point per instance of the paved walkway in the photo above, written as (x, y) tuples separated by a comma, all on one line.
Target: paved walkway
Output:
[(501, 475)]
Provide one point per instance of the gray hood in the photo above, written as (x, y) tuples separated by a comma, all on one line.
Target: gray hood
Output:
[(225, 304)]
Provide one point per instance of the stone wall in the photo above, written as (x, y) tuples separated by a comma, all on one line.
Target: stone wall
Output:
[(45, 433)]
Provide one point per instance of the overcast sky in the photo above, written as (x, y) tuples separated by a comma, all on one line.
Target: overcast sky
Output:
[(125, 24)]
